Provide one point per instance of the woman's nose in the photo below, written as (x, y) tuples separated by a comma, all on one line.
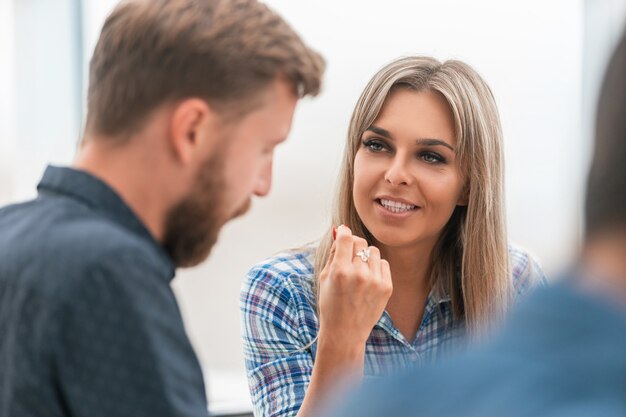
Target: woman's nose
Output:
[(398, 172)]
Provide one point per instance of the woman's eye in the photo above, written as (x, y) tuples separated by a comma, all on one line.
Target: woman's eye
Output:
[(432, 158), (373, 145)]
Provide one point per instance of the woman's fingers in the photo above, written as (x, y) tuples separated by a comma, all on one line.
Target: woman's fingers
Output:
[(374, 262), (331, 256), (343, 245), (358, 245), (385, 276)]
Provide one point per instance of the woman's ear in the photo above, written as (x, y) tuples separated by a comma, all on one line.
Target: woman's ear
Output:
[(464, 196)]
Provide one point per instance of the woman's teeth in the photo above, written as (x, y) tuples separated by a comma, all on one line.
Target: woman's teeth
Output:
[(396, 207)]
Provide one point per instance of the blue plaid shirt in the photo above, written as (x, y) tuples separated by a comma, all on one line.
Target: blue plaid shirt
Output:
[(279, 323)]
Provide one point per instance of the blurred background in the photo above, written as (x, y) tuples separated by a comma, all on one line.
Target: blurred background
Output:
[(543, 59)]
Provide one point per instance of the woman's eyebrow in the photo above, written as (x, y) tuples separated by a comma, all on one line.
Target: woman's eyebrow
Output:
[(434, 142), (380, 131)]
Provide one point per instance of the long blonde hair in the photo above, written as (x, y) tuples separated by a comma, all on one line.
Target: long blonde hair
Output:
[(470, 261)]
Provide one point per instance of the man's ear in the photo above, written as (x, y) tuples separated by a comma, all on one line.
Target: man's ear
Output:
[(189, 120)]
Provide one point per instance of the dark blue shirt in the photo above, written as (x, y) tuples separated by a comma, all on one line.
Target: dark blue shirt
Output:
[(89, 325), (562, 354)]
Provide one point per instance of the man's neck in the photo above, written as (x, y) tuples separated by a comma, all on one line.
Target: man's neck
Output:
[(605, 258), (132, 177)]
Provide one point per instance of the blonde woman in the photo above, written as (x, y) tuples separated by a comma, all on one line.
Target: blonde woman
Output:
[(421, 262)]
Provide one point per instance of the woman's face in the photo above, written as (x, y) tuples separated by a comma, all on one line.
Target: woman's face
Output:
[(407, 180)]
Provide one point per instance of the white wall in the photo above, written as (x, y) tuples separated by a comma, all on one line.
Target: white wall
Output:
[(530, 52), (7, 100), (41, 75)]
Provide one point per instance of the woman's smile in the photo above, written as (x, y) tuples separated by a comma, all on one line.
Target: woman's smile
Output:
[(393, 208)]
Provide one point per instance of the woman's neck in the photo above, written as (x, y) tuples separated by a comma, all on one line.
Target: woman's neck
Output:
[(410, 266), (410, 270)]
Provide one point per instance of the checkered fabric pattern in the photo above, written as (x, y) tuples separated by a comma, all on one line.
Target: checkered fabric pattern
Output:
[(279, 327)]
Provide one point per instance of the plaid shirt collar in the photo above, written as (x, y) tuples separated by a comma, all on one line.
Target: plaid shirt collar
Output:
[(435, 299)]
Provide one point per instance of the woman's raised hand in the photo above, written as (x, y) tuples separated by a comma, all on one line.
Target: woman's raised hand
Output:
[(354, 289), (353, 292)]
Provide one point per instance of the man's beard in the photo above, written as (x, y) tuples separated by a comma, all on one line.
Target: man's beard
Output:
[(193, 225)]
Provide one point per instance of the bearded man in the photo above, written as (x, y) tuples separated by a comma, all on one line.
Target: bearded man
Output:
[(187, 100)]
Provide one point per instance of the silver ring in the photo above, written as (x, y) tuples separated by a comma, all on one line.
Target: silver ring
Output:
[(364, 254)]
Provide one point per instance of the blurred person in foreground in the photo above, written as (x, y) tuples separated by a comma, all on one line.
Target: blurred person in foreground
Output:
[(187, 100), (563, 351)]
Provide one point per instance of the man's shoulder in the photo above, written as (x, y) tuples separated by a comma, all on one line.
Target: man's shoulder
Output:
[(69, 234), (568, 307), (59, 246)]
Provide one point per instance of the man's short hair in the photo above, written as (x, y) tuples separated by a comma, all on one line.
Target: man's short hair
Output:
[(227, 52), (606, 187)]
